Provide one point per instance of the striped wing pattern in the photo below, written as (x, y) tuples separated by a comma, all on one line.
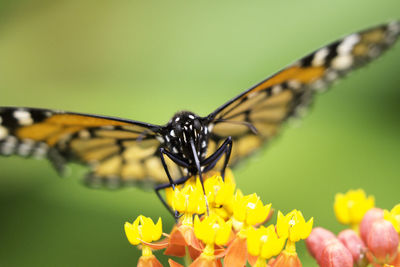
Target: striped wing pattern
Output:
[(119, 152), (255, 116)]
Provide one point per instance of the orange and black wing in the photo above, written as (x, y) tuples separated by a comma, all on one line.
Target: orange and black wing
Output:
[(119, 152), (255, 116)]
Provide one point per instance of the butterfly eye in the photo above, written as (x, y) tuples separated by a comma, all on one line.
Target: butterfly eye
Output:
[(197, 125), (178, 129)]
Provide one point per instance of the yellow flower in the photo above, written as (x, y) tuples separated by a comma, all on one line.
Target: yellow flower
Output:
[(394, 217), (220, 194), (293, 226), (264, 242), (249, 209), (212, 230), (189, 199), (143, 229), (351, 207)]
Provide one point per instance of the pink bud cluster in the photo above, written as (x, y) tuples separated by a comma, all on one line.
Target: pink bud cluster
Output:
[(377, 244)]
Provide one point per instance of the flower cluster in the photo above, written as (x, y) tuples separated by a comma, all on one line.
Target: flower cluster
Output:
[(372, 239), (221, 227)]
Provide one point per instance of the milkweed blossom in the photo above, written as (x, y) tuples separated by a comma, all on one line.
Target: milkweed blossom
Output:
[(230, 230), (373, 237)]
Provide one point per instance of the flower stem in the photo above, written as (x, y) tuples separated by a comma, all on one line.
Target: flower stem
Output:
[(187, 258)]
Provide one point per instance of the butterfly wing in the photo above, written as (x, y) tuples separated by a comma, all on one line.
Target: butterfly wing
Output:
[(119, 152), (255, 116)]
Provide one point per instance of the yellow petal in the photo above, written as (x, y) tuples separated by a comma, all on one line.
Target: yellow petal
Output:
[(147, 229), (253, 241), (258, 214), (223, 233), (282, 225), (198, 228), (308, 228), (157, 230), (340, 209), (272, 245), (239, 206), (132, 233)]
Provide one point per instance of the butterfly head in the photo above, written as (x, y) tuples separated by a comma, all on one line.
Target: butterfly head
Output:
[(183, 129)]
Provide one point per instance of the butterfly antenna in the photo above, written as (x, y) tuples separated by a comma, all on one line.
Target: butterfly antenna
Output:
[(142, 136), (197, 162)]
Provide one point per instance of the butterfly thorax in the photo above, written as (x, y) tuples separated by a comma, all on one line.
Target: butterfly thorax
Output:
[(184, 129)]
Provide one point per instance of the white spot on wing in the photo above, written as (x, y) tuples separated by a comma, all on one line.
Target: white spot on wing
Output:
[(160, 139), (175, 150), (191, 117), (347, 44), (40, 151), (277, 89), (394, 27), (3, 132), (23, 117), (319, 85), (25, 148), (392, 32), (294, 84), (172, 133), (9, 145), (319, 57), (342, 62), (331, 76), (84, 134), (252, 94)]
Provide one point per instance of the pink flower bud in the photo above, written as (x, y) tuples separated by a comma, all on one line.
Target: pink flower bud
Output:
[(355, 245), (335, 254), (316, 241), (382, 241), (368, 219)]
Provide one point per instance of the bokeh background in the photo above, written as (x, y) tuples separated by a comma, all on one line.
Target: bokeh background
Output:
[(146, 60)]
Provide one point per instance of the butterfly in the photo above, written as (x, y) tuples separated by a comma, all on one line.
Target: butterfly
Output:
[(122, 152)]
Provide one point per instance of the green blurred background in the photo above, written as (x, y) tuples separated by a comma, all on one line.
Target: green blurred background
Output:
[(146, 60)]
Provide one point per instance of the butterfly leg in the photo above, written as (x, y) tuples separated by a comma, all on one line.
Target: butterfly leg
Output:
[(225, 148), (171, 182), (228, 150), (164, 186), (157, 190), (175, 159)]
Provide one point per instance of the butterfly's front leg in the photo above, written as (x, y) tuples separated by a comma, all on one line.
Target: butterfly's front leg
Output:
[(175, 159), (211, 161), (164, 186)]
